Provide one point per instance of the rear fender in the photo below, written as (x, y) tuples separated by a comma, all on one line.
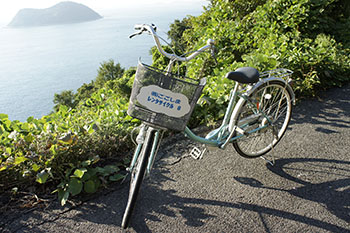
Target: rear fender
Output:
[(262, 82)]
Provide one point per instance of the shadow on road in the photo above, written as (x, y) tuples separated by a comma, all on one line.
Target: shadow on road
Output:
[(327, 113), (322, 181), (334, 194)]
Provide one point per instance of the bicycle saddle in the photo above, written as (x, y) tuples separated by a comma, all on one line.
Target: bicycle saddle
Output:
[(244, 75)]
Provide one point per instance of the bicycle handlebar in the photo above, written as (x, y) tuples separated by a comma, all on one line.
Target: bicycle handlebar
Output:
[(152, 30)]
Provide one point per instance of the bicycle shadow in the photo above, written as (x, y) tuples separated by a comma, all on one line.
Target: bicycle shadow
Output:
[(327, 113), (333, 194), (156, 203), (331, 190)]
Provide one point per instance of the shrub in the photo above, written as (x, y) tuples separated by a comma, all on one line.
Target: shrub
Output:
[(73, 148)]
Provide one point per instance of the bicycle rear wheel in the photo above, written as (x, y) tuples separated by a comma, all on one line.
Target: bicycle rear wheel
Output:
[(264, 118), (138, 174)]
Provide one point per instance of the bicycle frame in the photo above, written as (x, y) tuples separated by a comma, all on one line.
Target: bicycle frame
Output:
[(220, 137), (223, 135), (251, 108)]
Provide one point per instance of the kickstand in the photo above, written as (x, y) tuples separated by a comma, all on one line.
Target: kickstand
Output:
[(272, 163)]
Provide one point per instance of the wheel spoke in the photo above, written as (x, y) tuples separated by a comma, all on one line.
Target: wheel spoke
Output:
[(275, 108)]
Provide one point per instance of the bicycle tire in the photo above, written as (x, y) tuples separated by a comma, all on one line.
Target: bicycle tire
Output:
[(266, 98), (137, 176)]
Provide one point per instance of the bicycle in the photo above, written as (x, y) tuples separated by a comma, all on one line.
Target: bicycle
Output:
[(256, 118)]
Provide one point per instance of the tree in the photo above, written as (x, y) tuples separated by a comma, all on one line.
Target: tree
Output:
[(84, 91), (176, 31), (64, 98), (108, 71)]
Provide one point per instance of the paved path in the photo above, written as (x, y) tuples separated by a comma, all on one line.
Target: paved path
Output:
[(308, 189)]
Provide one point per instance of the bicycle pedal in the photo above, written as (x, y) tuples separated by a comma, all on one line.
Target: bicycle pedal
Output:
[(196, 153)]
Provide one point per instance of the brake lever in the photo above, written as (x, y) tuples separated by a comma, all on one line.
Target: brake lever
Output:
[(135, 34)]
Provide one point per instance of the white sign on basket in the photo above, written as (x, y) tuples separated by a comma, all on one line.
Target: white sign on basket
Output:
[(164, 101)]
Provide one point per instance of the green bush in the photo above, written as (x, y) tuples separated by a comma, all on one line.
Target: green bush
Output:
[(107, 72), (57, 147), (82, 145), (310, 37)]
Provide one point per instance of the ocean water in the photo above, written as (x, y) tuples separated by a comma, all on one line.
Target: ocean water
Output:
[(37, 62)]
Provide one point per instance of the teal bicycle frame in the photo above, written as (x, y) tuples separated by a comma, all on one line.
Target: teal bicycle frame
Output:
[(238, 121), (223, 135)]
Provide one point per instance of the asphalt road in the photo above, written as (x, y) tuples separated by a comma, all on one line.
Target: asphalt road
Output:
[(307, 190)]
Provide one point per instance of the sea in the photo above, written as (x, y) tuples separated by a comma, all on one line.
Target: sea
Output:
[(37, 62)]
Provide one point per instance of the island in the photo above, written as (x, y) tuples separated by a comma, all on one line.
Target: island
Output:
[(61, 13)]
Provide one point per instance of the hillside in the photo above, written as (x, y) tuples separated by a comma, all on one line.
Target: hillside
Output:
[(61, 13), (68, 150)]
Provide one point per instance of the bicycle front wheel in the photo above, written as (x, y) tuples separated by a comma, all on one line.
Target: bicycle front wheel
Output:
[(264, 117), (138, 174)]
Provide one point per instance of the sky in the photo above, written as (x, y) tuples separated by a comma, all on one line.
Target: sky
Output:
[(9, 8)]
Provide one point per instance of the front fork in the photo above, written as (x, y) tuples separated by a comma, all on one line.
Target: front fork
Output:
[(140, 140)]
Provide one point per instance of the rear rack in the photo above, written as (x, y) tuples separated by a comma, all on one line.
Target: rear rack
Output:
[(277, 73)]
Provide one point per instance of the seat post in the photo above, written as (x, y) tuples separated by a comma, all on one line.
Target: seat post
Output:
[(233, 97)]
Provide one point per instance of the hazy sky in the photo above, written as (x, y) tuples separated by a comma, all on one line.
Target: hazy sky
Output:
[(9, 8)]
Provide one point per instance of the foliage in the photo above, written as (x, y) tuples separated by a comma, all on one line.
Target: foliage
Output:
[(53, 149), (176, 32), (82, 145), (85, 178), (108, 71), (64, 98), (309, 37)]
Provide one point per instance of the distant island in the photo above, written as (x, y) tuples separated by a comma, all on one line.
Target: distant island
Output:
[(61, 13)]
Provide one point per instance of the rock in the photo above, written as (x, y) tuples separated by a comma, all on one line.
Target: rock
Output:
[(61, 13)]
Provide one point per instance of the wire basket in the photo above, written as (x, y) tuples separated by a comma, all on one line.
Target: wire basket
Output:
[(163, 100)]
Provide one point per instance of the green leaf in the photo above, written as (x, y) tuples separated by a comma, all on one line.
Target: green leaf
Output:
[(3, 116), (30, 119), (90, 186), (91, 129), (63, 196), (8, 150), (19, 160), (90, 173), (25, 127), (7, 123), (116, 177), (79, 172), (42, 177), (29, 138), (2, 129), (35, 167), (53, 149), (86, 163), (75, 186), (109, 169)]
